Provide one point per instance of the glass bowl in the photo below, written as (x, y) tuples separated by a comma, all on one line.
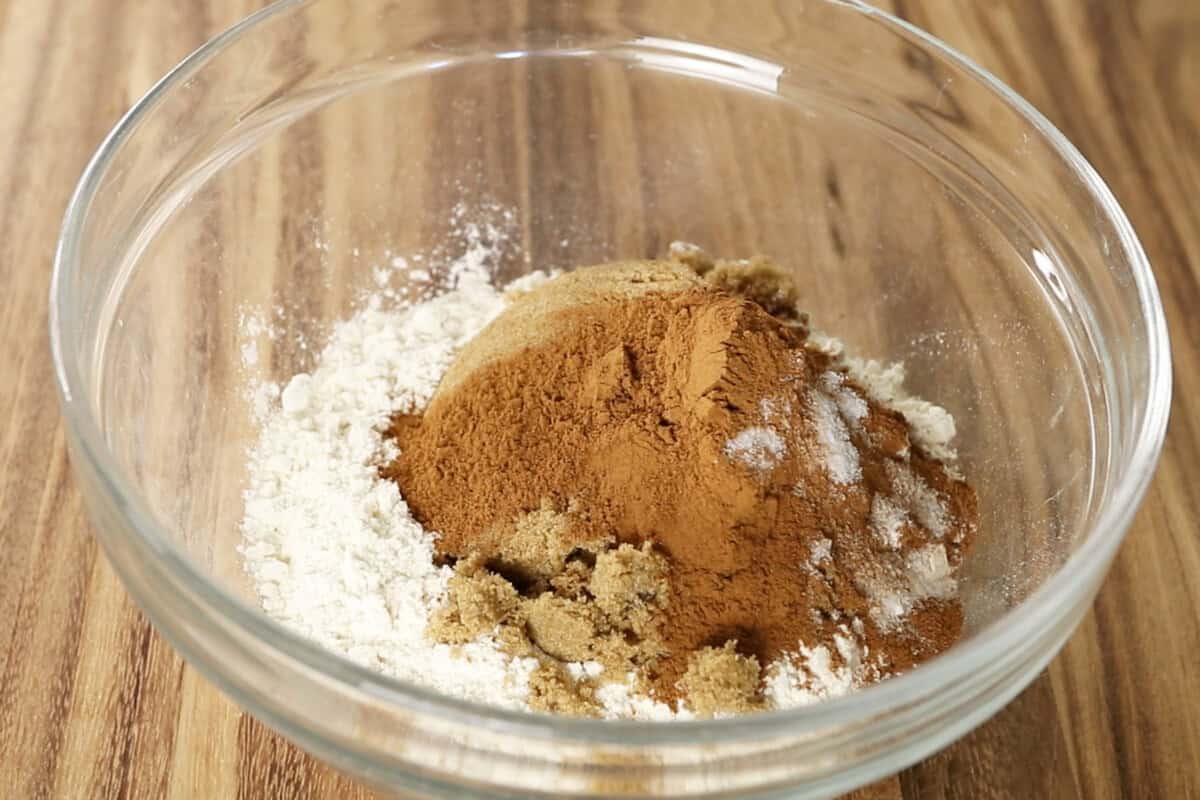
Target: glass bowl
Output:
[(250, 199)]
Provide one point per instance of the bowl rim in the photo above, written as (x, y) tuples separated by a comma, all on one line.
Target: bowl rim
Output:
[(1044, 605)]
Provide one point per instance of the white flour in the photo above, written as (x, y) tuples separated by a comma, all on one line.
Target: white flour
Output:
[(335, 555), (833, 437), (887, 521), (811, 674), (902, 583), (758, 448), (931, 427), (333, 552)]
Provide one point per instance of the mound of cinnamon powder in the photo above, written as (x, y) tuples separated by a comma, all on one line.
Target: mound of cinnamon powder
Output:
[(645, 465)]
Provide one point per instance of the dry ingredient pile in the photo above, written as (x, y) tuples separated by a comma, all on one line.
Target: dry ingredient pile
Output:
[(643, 489)]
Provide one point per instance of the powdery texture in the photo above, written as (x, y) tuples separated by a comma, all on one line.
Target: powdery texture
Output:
[(839, 453), (333, 551), (812, 673), (931, 427), (757, 448), (663, 410), (336, 555)]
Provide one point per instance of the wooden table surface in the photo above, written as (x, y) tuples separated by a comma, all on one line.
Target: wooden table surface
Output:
[(94, 704)]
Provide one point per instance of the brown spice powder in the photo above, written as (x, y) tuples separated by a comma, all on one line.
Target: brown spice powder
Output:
[(608, 412)]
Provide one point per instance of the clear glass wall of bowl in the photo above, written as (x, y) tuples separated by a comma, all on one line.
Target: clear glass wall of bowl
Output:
[(248, 203)]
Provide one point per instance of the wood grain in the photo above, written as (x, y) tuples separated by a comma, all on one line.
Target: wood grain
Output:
[(94, 704)]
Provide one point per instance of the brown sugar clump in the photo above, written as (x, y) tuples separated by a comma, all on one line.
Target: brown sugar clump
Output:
[(568, 630), (552, 689), (604, 604), (658, 464), (629, 587), (721, 680), (756, 279), (534, 548), (478, 601)]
